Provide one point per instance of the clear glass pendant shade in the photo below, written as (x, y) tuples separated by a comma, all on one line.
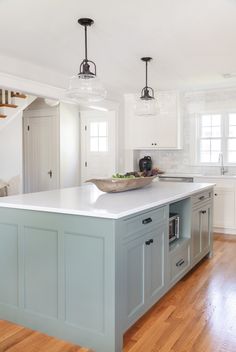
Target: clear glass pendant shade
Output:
[(146, 107), (86, 89)]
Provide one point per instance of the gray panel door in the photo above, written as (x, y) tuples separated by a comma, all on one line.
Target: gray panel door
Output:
[(155, 265), (134, 264), (196, 239), (205, 227)]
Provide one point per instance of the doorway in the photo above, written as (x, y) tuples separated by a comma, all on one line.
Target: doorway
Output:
[(98, 144), (41, 155)]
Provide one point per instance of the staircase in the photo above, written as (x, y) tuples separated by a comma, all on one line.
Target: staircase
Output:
[(11, 103), (7, 101)]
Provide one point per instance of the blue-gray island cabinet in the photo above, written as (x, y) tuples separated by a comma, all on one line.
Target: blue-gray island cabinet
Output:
[(84, 266)]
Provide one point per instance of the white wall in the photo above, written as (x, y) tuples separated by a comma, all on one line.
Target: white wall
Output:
[(69, 145), (11, 154)]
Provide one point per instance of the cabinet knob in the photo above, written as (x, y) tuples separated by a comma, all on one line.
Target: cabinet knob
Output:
[(149, 242), (201, 198), (216, 194), (203, 211), (147, 221)]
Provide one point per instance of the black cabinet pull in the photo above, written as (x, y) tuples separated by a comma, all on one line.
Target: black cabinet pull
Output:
[(147, 221), (201, 198), (180, 262), (216, 194), (149, 242), (203, 211)]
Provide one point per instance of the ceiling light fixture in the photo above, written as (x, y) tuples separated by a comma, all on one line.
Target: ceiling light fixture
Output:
[(85, 86), (146, 104)]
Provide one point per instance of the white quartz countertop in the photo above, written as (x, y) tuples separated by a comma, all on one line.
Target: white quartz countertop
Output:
[(87, 200)]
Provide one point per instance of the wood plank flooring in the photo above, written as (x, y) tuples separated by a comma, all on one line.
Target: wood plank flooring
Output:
[(16, 338), (198, 314)]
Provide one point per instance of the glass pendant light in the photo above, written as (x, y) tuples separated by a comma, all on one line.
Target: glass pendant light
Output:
[(146, 104), (85, 86)]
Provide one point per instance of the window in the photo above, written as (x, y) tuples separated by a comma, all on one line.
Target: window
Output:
[(217, 134), (231, 140), (98, 137)]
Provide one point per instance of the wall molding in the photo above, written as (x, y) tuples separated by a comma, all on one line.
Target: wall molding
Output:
[(13, 82)]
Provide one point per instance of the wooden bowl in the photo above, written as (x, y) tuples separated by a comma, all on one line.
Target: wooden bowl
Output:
[(114, 185)]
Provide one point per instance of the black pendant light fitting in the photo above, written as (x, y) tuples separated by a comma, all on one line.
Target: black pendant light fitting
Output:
[(147, 93), (85, 71)]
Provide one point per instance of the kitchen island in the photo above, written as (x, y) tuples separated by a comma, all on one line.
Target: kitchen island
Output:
[(83, 265)]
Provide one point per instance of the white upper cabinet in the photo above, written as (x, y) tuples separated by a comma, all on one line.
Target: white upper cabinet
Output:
[(162, 131)]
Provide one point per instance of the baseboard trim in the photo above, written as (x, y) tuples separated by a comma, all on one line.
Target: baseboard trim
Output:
[(224, 230)]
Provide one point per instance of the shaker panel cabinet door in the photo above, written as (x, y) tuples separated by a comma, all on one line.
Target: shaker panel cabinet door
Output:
[(155, 266), (144, 133), (201, 232), (144, 274), (224, 208), (205, 228), (134, 267), (160, 131), (196, 241)]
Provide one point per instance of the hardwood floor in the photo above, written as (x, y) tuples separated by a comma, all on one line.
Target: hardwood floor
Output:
[(198, 314), (15, 338)]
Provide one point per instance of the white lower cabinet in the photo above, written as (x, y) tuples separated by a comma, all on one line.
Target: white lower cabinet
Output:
[(224, 208), (224, 215), (144, 273)]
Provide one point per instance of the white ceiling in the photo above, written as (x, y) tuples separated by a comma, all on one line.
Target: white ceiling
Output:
[(192, 42)]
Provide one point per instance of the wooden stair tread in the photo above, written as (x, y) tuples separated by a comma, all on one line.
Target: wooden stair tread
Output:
[(8, 106), (3, 116), (18, 95)]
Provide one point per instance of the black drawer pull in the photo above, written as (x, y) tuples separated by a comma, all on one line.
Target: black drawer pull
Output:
[(216, 194), (149, 242), (201, 198), (147, 221), (180, 262), (203, 211)]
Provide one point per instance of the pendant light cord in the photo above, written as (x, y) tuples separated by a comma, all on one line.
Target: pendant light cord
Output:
[(86, 48), (146, 73)]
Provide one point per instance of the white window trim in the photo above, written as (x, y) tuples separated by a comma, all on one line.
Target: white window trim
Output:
[(224, 138)]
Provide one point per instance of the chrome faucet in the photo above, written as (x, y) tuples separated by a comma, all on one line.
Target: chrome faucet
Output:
[(223, 170)]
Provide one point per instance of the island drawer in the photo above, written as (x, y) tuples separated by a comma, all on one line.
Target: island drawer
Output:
[(144, 222), (179, 261), (202, 197)]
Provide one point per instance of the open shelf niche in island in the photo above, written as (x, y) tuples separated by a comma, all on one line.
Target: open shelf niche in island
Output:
[(183, 209), (180, 249)]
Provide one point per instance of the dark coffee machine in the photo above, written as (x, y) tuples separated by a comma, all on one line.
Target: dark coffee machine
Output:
[(145, 164)]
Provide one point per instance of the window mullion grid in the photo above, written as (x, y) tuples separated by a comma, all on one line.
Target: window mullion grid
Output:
[(225, 136)]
